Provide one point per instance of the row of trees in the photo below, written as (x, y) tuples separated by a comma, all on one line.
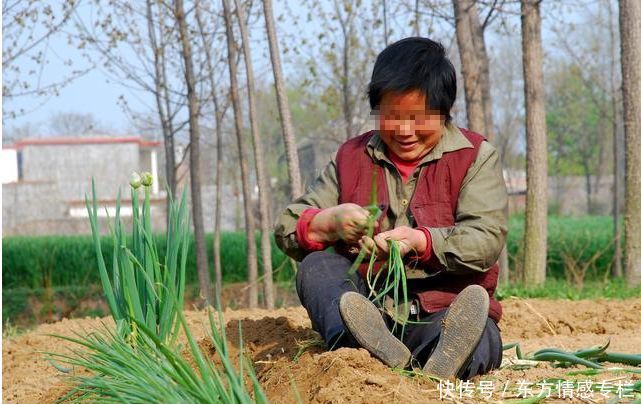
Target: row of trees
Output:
[(189, 59)]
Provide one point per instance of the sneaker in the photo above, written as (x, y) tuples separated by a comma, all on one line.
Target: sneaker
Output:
[(462, 328), (366, 324)]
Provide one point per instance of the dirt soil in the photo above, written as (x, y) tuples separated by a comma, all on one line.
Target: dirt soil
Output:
[(273, 338)]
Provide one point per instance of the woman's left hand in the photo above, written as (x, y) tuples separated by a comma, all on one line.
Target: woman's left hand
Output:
[(410, 240)]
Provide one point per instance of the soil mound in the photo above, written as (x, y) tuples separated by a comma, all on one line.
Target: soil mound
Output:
[(291, 364)]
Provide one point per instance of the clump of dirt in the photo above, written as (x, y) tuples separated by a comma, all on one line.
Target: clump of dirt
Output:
[(291, 364)]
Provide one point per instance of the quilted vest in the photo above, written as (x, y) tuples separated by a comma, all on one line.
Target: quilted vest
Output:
[(433, 205)]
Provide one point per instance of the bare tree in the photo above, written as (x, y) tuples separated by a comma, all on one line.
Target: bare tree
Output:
[(470, 34), (617, 150), (345, 15), (470, 64), (194, 152), (74, 124), (252, 265), (478, 36), (289, 138), (534, 267), (348, 46), (146, 60), (629, 17), (264, 193), (28, 27), (163, 106), (218, 116), (417, 19)]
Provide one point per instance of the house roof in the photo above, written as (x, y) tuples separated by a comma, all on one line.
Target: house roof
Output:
[(54, 141)]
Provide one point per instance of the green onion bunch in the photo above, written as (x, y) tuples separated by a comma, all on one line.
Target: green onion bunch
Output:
[(149, 370), (140, 362), (592, 357), (391, 281), (142, 290)]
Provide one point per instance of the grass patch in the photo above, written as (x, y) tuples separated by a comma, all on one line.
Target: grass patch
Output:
[(34, 262), (574, 244), (560, 289)]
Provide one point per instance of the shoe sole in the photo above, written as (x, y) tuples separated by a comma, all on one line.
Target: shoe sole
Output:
[(366, 324), (462, 328)]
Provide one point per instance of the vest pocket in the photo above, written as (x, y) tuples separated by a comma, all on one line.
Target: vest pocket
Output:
[(433, 214)]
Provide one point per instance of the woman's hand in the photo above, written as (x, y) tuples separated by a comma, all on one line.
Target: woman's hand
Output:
[(346, 221), (409, 239)]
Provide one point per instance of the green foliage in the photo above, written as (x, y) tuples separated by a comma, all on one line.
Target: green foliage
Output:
[(14, 302), (9, 330), (26, 258), (141, 361), (149, 370), (560, 289), (141, 288), (26, 307), (71, 260), (579, 241), (577, 127)]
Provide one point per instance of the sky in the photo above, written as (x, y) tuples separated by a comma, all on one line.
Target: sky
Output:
[(97, 94)]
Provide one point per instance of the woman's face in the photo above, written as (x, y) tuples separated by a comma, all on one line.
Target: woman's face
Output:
[(406, 126)]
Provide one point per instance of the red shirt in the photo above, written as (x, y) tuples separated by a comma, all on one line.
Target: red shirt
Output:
[(405, 168)]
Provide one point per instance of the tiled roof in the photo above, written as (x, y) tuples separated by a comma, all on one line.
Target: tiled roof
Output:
[(52, 141)]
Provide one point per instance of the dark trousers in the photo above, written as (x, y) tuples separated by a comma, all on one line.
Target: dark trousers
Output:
[(322, 279)]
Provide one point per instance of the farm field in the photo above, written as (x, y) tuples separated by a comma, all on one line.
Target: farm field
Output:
[(274, 338)]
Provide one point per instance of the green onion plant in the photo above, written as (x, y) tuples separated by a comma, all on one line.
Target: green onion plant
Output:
[(592, 357), (150, 370), (140, 286), (140, 362)]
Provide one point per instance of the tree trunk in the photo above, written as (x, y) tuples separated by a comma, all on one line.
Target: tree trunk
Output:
[(470, 66), (218, 268), (630, 27), (617, 269), (476, 80), (165, 123), (218, 272), (536, 198), (417, 19), (238, 207), (346, 24), (478, 36), (347, 99), (264, 193), (385, 38), (194, 154), (252, 265), (289, 138)]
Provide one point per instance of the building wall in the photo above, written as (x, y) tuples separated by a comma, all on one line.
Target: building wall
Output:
[(73, 166), (29, 205), (37, 208), (49, 196)]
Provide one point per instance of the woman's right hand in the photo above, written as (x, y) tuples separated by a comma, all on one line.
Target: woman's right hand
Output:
[(347, 222)]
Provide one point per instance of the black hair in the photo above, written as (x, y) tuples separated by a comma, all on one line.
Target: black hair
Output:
[(415, 63)]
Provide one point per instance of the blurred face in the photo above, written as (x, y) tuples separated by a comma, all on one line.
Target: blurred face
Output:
[(406, 125)]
